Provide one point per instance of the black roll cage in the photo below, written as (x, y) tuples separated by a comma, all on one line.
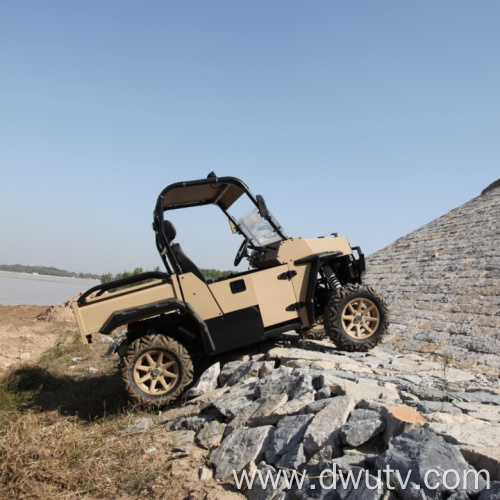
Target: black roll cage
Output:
[(220, 191)]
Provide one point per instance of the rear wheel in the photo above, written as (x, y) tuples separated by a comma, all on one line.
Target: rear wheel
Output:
[(356, 317), (155, 370), (317, 332)]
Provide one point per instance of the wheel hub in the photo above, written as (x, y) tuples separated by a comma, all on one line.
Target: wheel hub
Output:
[(156, 372), (360, 318)]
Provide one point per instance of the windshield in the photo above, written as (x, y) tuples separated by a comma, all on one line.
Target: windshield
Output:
[(257, 229)]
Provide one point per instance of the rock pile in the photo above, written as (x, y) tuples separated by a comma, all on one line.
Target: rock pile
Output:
[(311, 421), (442, 283), (60, 313)]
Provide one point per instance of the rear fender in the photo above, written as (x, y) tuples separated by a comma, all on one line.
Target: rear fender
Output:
[(136, 315)]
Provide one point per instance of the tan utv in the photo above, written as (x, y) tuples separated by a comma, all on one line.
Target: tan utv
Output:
[(177, 319)]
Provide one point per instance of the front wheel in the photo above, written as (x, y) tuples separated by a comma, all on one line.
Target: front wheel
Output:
[(155, 370), (356, 317)]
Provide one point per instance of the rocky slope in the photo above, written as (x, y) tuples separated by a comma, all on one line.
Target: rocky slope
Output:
[(306, 412), (442, 282)]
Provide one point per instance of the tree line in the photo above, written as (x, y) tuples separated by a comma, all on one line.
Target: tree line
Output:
[(46, 271), (209, 274)]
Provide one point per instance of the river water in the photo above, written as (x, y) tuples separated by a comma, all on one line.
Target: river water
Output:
[(29, 289)]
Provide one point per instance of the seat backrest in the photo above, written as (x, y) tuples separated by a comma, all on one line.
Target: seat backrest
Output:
[(187, 265)]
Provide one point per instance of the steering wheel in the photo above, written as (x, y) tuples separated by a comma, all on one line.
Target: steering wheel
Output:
[(242, 252)]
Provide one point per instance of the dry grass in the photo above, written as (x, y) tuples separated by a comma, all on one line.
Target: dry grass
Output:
[(48, 456), (61, 434)]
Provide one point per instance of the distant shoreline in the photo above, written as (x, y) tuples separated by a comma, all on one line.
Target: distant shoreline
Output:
[(50, 276)]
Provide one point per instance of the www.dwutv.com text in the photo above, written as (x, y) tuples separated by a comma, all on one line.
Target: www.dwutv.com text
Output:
[(387, 478)]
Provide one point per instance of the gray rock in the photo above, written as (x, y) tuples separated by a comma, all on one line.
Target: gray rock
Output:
[(480, 397), (139, 426), (459, 495), (293, 459), (368, 381), (259, 412), (361, 427), (323, 393), (369, 488), (293, 407), (206, 383), (492, 493), (227, 370), (91, 371), (241, 418), (412, 455), (289, 433), (106, 340), (204, 473), (317, 406), (237, 398), (181, 452), (270, 490), (176, 413), (210, 435), (240, 448), (347, 462), (194, 423), (316, 485), (483, 459), (265, 413), (480, 411), (293, 384), (475, 433), (436, 406), (324, 428), (357, 391), (266, 368), (246, 370), (182, 436)]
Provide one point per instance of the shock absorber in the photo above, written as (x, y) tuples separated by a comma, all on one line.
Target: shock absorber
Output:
[(331, 278)]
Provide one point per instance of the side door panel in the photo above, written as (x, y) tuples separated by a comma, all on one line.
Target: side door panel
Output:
[(269, 289)]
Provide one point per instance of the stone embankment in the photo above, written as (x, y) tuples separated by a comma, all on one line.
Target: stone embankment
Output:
[(308, 410), (442, 283)]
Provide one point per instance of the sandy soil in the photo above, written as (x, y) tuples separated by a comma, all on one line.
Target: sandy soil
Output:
[(23, 335)]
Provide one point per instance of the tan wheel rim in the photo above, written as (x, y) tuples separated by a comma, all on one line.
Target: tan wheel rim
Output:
[(156, 372), (360, 318)]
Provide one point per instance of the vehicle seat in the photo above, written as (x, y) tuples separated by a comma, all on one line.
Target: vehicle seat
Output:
[(187, 265)]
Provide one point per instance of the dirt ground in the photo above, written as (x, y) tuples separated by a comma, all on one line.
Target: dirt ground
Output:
[(26, 332)]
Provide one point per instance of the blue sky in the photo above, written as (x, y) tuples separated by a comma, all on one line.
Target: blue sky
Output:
[(365, 118)]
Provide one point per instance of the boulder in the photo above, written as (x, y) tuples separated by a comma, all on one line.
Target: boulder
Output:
[(289, 433), (324, 429), (400, 419), (206, 383), (361, 427), (423, 465), (240, 448), (210, 435)]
